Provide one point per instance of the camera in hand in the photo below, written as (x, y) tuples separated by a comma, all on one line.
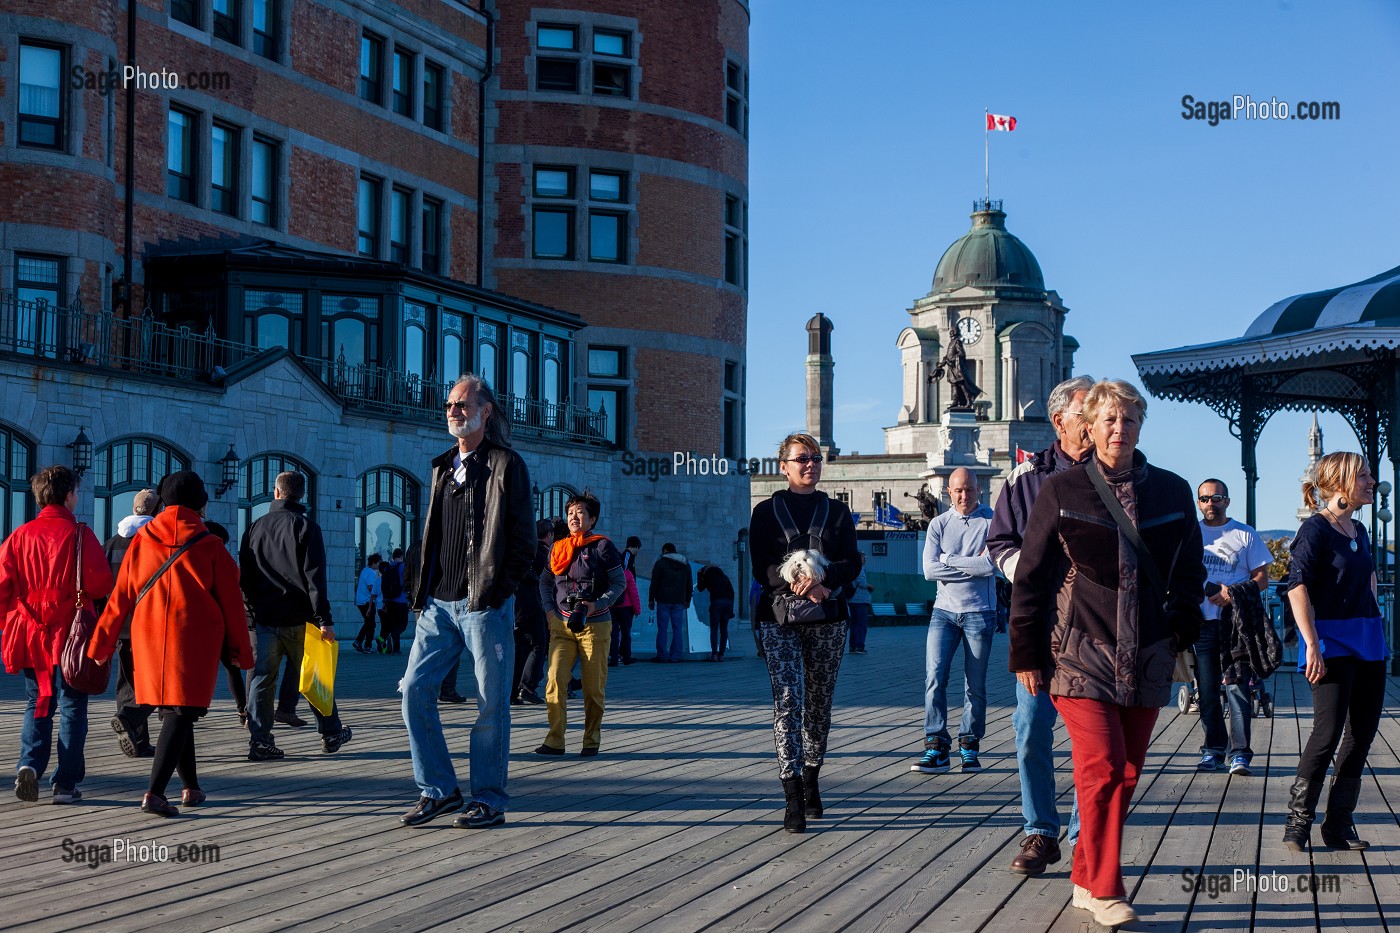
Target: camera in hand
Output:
[(580, 593)]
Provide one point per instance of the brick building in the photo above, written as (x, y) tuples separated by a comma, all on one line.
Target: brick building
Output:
[(334, 206)]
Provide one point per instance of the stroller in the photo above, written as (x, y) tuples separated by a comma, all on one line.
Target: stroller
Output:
[(1261, 702)]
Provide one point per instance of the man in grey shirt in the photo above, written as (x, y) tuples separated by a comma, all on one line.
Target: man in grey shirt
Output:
[(964, 612)]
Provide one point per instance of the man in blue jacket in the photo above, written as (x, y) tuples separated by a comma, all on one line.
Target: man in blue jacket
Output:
[(964, 612)]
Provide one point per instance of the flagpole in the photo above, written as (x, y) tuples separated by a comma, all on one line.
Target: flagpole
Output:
[(987, 155)]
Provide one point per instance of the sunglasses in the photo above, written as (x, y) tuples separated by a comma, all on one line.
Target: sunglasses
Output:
[(1213, 500), (804, 459)]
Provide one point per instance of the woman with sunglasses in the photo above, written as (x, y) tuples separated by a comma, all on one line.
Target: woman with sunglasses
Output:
[(1332, 589), (803, 657)]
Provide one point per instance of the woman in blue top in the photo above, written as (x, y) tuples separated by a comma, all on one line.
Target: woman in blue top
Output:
[(1332, 590)]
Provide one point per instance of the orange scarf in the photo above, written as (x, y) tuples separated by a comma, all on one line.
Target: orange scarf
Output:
[(564, 550)]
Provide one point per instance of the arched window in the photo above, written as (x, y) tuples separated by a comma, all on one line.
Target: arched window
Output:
[(274, 319), (256, 478), (16, 466), (486, 345), (386, 513), (124, 467), (551, 502)]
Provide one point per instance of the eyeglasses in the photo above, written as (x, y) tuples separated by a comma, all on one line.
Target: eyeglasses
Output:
[(1213, 500), (460, 406), (804, 459), (1079, 414)]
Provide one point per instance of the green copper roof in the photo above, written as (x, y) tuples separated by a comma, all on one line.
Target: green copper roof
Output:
[(988, 255)]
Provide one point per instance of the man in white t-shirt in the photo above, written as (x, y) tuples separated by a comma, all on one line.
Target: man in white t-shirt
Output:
[(1234, 553)]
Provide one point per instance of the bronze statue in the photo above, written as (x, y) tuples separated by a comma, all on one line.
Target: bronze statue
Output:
[(929, 508), (959, 371)]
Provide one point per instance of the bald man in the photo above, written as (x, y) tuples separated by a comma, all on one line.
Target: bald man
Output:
[(964, 613)]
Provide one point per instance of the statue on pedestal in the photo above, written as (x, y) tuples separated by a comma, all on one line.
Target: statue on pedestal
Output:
[(959, 371)]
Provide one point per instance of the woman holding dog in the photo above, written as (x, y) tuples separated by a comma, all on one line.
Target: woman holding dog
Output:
[(1332, 589), (802, 645), (1108, 589)]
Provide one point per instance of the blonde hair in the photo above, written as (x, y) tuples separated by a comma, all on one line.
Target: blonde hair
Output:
[(1113, 392), (1336, 472), (806, 440)]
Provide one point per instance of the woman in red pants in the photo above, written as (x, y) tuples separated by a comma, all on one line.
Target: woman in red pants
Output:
[(1107, 590)]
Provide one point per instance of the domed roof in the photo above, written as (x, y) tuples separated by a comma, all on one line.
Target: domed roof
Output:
[(1376, 301), (988, 255)]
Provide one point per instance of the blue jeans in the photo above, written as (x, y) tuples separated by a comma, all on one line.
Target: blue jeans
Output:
[(946, 630), (1034, 722), (36, 737), (860, 622), (271, 646), (670, 615), (1208, 675), (444, 630)]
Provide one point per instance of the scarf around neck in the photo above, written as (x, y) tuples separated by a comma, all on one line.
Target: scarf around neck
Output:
[(564, 550)]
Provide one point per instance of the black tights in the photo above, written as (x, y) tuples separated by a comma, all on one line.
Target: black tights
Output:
[(175, 750), (1347, 705)]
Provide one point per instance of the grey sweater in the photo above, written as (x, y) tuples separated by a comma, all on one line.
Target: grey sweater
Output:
[(955, 556)]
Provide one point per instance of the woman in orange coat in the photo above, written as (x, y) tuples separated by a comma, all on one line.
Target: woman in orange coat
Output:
[(190, 618)]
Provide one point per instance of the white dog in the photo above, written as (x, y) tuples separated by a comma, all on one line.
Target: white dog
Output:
[(803, 563)]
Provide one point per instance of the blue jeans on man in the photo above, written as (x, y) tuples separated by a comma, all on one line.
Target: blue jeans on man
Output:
[(1222, 745), (36, 736), (271, 645), (1034, 722), (946, 631), (670, 616), (444, 631)]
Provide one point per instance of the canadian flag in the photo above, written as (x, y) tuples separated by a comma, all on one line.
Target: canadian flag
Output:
[(1022, 456), (996, 121)]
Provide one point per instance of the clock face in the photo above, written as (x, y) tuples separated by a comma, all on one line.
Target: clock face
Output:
[(969, 330)]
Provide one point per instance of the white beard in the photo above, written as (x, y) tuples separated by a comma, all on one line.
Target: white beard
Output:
[(466, 428)]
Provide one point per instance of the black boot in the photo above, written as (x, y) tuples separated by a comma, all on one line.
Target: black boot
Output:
[(794, 820), (811, 793), (1338, 831), (1302, 806)]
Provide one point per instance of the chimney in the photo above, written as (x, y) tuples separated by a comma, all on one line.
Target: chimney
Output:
[(819, 383)]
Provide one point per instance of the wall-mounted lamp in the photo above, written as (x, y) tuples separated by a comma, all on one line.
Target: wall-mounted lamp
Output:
[(229, 464), (539, 499), (82, 452)]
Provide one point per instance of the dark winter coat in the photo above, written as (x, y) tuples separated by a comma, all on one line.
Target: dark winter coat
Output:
[(283, 562), (1082, 610), (502, 541), (768, 545), (670, 581)]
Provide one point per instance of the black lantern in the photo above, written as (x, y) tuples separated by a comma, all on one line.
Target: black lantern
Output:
[(82, 452), (229, 462)]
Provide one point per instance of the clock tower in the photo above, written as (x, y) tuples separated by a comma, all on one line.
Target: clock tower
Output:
[(989, 288)]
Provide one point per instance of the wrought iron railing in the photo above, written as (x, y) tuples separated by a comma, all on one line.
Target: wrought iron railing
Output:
[(144, 345)]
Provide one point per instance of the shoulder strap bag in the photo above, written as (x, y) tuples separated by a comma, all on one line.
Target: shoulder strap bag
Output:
[(788, 607), (1186, 658)]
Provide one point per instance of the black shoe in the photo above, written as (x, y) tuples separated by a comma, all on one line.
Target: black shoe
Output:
[(145, 750), (430, 809), (259, 751), (588, 751), (331, 744), (530, 697), (548, 750), (516, 701), (288, 719), (795, 816), (627, 661), (360, 648), (453, 697), (127, 738), (478, 815)]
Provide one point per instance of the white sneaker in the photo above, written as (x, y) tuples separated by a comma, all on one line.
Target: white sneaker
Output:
[(1108, 911)]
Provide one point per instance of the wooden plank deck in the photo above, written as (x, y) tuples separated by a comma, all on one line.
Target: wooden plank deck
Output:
[(676, 825)]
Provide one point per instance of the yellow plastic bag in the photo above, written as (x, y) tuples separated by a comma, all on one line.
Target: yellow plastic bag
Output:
[(318, 670)]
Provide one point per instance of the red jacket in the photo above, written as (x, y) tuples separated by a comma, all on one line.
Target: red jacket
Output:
[(179, 630), (38, 591)]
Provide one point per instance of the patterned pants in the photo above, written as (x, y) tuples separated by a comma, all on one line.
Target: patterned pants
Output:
[(803, 661)]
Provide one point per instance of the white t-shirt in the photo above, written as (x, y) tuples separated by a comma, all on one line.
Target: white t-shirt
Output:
[(1232, 552)]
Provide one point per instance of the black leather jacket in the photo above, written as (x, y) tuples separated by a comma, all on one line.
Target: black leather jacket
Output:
[(502, 539)]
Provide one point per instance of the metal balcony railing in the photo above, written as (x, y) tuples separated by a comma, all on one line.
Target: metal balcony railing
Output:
[(143, 345)]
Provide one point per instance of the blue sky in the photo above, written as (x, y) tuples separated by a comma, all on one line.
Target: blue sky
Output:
[(867, 152)]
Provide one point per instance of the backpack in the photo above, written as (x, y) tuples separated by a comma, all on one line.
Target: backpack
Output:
[(392, 582)]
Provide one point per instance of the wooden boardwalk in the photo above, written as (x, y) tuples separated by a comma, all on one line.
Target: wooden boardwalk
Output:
[(676, 825)]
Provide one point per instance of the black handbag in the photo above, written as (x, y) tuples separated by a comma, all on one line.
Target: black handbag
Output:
[(788, 607)]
